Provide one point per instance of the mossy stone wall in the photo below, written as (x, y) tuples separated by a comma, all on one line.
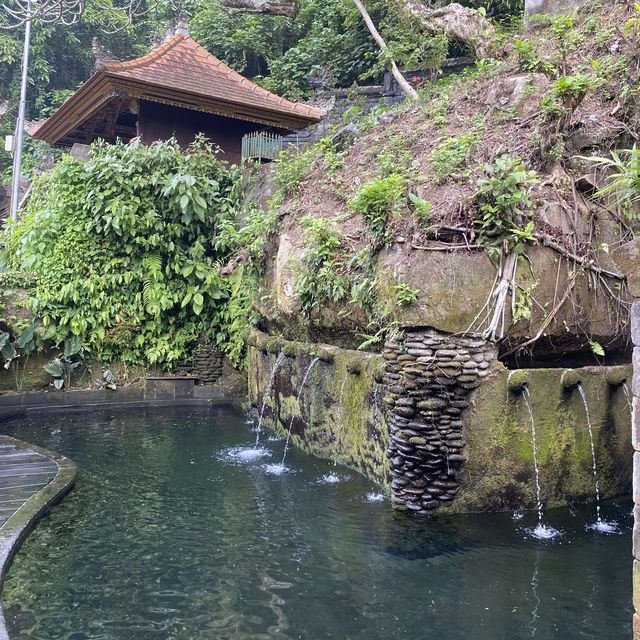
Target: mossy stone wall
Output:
[(499, 473), (342, 416)]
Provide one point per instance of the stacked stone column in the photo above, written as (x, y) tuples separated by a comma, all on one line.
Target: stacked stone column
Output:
[(635, 436), (428, 378)]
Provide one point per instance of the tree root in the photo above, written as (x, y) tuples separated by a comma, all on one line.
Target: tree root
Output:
[(547, 320), (288, 8)]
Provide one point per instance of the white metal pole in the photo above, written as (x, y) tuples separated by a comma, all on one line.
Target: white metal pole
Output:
[(22, 107)]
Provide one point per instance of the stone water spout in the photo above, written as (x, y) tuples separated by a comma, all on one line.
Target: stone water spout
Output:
[(600, 524), (617, 379), (518, 384), (571, 379), (298, 398), (517, 381)]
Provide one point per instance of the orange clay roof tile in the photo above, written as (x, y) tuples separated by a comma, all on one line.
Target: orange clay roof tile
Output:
[(182, 64)]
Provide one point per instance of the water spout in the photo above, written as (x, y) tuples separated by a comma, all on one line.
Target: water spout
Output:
[(593, 449), (534, 444), (299, 396), (267, 394), (541, 530), (627, 394), (599, 525)]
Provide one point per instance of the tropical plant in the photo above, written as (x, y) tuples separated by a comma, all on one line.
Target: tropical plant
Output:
[(622, 178), (503, 198), (62, 367), (322, 275), (123, 249), (376, 200)]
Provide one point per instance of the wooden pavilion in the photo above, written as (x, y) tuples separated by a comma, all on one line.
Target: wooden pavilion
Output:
[(179, 89)]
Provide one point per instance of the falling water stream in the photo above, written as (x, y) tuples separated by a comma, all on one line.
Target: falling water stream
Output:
[(625, 387), (267, 395), (280, 468), (600, 524), (541, 530)]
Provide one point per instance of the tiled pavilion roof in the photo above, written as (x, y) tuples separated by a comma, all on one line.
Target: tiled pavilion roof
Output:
[(180, 73)]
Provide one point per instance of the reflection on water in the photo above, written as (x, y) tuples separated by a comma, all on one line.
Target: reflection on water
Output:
[(173, 534)]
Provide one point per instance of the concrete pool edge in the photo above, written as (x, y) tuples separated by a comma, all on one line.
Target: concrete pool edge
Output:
[(16, 529)]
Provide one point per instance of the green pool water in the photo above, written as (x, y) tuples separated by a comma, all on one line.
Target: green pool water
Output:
[(168, 535)]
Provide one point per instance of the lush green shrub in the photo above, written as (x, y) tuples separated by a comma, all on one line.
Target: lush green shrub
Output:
[(292, 167), (451, 154), (123, 249), (376, 201), (322, 276), (503, 198)]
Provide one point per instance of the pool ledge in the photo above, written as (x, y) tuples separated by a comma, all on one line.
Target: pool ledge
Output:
[(20, 524)]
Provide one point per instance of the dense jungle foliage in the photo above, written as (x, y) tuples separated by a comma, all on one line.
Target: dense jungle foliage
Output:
[(124, 251), (327, 37)]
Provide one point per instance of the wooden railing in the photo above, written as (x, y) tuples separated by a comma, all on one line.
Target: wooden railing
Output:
[(261, 146)]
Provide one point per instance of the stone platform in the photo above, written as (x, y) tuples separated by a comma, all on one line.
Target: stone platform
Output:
[(32, 479), (23, 472)]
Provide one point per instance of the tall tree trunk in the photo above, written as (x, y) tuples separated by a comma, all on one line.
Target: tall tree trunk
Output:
[(459, 23), (407, 89), (288, 8)]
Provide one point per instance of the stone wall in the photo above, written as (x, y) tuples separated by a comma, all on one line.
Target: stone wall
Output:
[(206, 364), (499, 468), (440, 423), (366, 98), (428, 380), (340, 414)]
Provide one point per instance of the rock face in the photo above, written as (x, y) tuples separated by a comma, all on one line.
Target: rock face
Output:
[(519, 92), (533, 7), (453, 288)]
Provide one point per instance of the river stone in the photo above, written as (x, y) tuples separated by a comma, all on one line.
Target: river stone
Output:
[(407, 412), (432, 403), (420, 352)]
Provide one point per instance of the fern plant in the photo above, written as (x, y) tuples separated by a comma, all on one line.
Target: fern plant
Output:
[(622, 179), (376, 200)]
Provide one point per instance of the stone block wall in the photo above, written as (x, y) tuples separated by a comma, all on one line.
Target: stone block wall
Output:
[(498, 434), (206, 364), (338, 101), (339, 415), (635, 440)]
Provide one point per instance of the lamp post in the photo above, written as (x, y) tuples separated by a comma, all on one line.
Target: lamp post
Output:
[(22, 107), (61, 12)]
